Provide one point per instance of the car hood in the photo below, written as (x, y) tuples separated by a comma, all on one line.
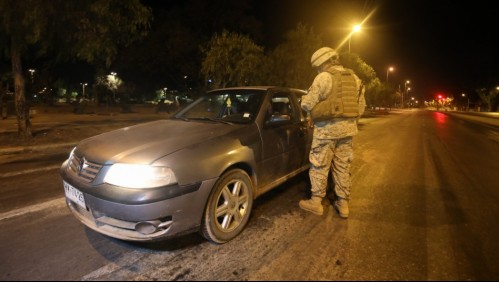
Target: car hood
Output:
[(147, 142)]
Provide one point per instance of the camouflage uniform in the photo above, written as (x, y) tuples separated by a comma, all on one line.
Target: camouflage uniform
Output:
[(332, 141)]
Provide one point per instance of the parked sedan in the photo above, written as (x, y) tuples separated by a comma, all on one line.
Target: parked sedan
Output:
[(199, 170)]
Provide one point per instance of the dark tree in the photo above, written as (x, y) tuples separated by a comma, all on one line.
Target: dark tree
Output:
[(88, 30)]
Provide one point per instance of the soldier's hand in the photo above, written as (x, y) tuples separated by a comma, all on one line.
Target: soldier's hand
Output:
[(310, 123)]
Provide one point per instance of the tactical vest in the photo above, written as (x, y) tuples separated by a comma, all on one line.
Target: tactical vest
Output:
[(343, 101)]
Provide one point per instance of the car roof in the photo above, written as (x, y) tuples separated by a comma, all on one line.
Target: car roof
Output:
[(259, 87)]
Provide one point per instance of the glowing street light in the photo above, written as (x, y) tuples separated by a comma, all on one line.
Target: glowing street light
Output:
[(468, 104), (356, 28), (83, 86), (113, 83), (405, 84), (387, 71), (31, 71), (405, 91), (112, 77)]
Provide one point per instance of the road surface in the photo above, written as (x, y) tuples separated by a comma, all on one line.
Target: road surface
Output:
[(424, 207)]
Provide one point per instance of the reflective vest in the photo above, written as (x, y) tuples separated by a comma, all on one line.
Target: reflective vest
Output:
[(343, 101)]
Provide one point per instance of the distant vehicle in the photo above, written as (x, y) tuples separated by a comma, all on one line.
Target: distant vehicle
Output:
[(199, 170)]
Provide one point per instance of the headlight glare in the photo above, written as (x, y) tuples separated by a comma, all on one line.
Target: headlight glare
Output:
[(139, 176)]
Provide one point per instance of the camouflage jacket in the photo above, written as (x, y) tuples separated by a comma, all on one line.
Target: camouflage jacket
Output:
[(336, 127)]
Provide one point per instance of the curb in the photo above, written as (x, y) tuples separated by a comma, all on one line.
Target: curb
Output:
[(22, 149)]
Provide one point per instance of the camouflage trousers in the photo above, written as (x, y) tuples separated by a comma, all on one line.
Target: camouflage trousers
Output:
[(334, 154)]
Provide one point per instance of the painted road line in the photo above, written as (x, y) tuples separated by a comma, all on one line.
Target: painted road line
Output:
[(56, 203), (16, 173)]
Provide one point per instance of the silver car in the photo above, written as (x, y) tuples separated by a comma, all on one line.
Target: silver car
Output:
[(199, 170)]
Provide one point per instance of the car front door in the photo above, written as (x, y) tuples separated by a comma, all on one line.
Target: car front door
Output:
[(284, 139)]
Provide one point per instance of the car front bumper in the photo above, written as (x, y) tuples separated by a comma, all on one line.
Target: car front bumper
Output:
[(163, 218)]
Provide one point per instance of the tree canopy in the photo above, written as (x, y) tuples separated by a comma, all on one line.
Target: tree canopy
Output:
[(235, 60), (231, 59), (90, 30), (289, 62)]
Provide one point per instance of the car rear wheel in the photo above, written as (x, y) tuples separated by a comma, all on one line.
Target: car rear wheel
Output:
[(228, 208)]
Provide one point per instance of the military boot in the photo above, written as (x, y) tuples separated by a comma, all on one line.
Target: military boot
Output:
[(314, 205), (341, 206)]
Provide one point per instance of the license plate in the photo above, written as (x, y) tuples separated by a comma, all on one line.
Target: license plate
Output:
[(74, 194)]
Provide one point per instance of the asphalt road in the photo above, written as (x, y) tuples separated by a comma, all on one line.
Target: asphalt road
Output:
[(424, 207)]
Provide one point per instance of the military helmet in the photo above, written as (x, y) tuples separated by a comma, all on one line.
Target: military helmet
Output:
[(322, 55)]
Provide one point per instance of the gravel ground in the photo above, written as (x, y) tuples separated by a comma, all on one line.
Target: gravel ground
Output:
[(59, 125)]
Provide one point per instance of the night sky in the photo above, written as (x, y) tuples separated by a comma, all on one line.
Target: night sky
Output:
[(440, 46)]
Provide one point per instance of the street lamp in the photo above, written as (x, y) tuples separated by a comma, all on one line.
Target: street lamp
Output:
[(83, 86), (387, 71), (111, 78), (32, 71), (114, 85), (468, 104), (356, 28), (405, 91)]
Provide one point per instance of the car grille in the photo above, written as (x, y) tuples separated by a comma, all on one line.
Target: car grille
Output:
[(84, 169)]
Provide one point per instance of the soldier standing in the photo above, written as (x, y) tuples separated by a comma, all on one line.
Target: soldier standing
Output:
[(334, 102)]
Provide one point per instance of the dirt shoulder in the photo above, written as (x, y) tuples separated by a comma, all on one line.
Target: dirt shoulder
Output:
[(59, 125)]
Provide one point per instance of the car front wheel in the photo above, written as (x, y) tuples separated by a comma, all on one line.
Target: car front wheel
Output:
[(228, 208)]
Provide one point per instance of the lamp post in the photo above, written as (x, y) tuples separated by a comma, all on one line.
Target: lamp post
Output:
[(114, 85), (468, 103), (405, 91), (387, 71), (31, 71), (356, 28), (83, 86)]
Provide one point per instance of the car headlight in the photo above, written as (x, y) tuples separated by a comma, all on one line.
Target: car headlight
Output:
[(139, 176)]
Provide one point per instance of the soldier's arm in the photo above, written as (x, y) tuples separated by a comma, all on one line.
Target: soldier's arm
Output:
[(315, 92)]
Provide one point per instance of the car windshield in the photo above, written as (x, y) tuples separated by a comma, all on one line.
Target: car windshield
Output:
[(234, 106)]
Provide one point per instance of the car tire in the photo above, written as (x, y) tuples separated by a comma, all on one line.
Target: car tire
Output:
[(228, 208)]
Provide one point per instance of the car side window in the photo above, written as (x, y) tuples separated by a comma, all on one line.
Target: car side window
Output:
[(281, 109)]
